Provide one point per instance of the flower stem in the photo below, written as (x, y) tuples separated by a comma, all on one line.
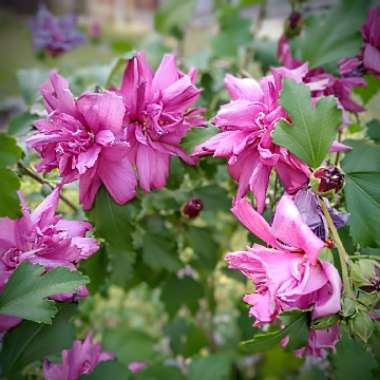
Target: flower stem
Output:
[(30, 173), (343, 255)]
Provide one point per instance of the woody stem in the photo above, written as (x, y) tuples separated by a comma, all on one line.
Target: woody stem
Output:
[(30, 173), (343, 255)]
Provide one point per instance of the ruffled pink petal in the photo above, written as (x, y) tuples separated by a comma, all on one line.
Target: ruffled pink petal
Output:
[(7, 233), (328, 301), (339, 147), (180, 95), (243, 88), (45, 211), (74, 227), (289, 227), (166, 74), (258, 184), (87, 159), (89, 184), (57, 95), (152, 167), (7, 322), (371, 59), (117, 174), (252, 220), (102, 110)]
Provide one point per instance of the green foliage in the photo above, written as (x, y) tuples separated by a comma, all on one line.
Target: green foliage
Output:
[(313, 129), (173, 16), (186, 338), (197, 136), (366, 93), (10, 152), (352, 360), (109, 369), (295, 328), (176, 292), (328, 38), (130, 344), (216, 366), (159, 372), (362, 190), (234, 32), (373, 130), (9, 202), (29, 81), (31, 341), (22, 123), (25, 294)]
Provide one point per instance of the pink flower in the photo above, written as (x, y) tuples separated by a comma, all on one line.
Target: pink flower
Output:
[(289, 275), (43, 238), (137, 366), (246, 124), (79, 360), (322, 83), (371, 38), (80, 137), (319, 342), (158, 115)]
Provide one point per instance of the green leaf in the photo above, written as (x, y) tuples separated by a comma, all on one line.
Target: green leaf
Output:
[(22, 123), (29, 81), (25, 294), (130, 345), (352, 361), (325, 41), (9, 202), (10, 152), (31, 341), (312, 130), (96, 268), (204, 246), (212, 367), (368, 92), (214, 198), (373, 130), (109, 369), (113, 222), (177, 292), (173, 15), (295, 327), (362, 190), (186, 338), (197, 136), (159, 372)]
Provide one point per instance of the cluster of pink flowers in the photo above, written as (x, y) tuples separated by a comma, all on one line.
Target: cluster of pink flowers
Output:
[(43, 238), (119, 137), (79, 360)]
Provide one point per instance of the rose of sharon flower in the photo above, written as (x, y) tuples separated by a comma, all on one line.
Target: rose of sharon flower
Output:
[(43, 238), (246, 124), (319, 342), (327, 84), (79, 360), (158, 115), (371, 38), (80, 137), (55, 35), (289, 275)]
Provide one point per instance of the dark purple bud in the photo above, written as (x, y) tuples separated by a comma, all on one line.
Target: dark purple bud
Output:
[(330, 178), (193, 207), (293, 24)]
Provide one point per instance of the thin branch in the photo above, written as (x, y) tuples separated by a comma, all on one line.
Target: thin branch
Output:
[(343, 255), (32, 174)]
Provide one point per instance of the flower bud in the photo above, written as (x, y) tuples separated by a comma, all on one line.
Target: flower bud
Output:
[(193, 207), (293, 24), (328, 179)]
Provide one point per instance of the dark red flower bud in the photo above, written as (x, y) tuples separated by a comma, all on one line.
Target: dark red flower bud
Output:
[(330, 178), (193, 207), (293, 24)]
